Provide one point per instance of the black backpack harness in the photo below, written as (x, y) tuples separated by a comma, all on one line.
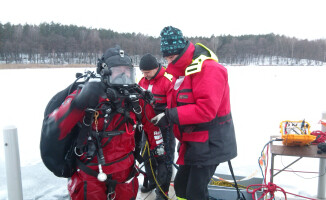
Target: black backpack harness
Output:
[(88, 142)]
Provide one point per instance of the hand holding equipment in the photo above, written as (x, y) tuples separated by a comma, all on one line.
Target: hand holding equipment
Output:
[(161, 120), (89, 95)]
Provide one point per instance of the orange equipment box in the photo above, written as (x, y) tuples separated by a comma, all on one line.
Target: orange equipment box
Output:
[(296, 133)]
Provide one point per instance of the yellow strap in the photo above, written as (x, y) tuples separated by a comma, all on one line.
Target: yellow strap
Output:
[(179, 198), (144, 150)]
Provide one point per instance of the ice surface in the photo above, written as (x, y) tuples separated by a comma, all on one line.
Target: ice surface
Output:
[(261, 97)]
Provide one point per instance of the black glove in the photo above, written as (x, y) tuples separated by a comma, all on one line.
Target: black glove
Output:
[(89, 95), (161, 120)]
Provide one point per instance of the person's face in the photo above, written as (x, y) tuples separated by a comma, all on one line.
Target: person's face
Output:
[(170, 58), (149, 74), (120, 70), (121, 75)]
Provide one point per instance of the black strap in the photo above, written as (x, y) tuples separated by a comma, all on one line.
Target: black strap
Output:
[(134, 172), (110, 185), (122, 120), (107, 141), (86, 169), (111, 163), (111, 133), (235, 183)]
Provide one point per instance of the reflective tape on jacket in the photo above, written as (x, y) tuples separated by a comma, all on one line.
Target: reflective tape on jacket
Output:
[(197, 63)]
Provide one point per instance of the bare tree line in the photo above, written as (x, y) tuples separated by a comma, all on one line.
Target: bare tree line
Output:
[(53, 43)]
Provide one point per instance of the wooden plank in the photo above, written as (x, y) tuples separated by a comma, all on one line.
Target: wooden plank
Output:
[(298, 151)]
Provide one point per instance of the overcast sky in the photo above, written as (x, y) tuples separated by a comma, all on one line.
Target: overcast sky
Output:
[(303, 19)]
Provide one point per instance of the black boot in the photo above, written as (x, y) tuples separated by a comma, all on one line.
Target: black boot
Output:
[(160, 195), (149, 188)]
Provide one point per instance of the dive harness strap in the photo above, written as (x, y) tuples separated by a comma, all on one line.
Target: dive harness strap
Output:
[(111, 184), (82, 166)]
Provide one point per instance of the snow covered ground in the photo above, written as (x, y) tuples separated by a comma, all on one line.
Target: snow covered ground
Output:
[(261, 97)]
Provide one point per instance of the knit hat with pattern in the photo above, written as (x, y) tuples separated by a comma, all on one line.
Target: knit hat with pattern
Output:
[(172, 41)]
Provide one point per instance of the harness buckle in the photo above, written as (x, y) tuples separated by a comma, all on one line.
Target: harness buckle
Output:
[(109, 194), (140, 127)]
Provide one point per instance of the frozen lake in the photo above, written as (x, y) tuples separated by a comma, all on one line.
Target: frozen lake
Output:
[(261, 97)]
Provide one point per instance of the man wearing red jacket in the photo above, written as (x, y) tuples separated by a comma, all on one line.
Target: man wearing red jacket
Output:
[(157, 81), (199, 111), (106, 138)]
